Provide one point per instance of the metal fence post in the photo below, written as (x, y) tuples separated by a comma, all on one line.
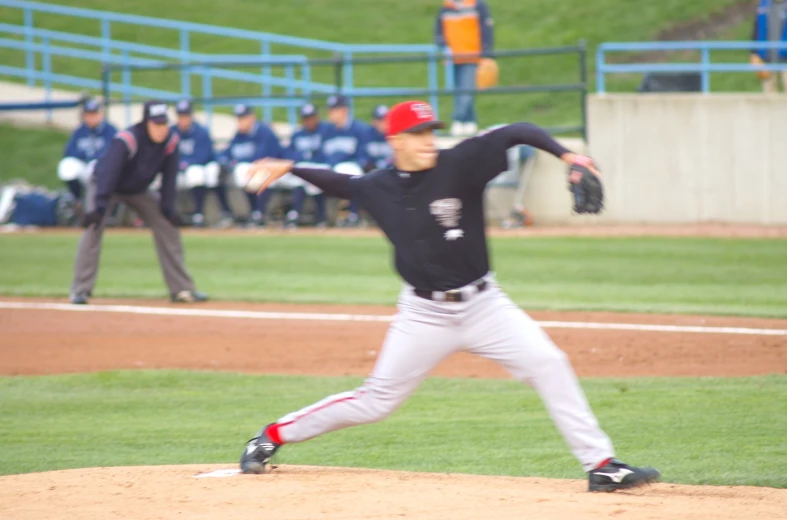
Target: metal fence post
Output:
[(306, 76), (265, 50), (583, 78), (207, 94), (106, 80), (289, 73), (705, 74), (185, 57), (46, 67), (347, 60), (600, 86), (106, 37), (126, 85), (30, 58), (433, 82), (338, 72)]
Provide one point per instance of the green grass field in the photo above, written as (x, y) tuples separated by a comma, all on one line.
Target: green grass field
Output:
[(696, 431), (536, 23), (682, 275), (31, 154)]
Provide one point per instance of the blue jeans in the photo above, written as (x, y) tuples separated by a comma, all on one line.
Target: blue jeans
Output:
[(464, 104)]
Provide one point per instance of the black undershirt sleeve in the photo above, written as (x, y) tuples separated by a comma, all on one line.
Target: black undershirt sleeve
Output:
[(487, 155), (331, 183)]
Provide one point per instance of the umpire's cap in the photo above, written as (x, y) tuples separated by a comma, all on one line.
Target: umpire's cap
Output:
[(155, 111), (412, 116)]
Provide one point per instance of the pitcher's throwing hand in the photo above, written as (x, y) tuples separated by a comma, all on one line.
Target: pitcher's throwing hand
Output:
[(265, 172)]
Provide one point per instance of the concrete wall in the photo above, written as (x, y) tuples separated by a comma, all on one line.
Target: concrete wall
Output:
[(689, 158)]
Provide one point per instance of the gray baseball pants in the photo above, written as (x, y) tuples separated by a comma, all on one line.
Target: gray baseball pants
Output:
[(166, 236), (425, 332)]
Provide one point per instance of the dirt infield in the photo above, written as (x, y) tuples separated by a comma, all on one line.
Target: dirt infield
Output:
[(49, 341), (304, 492)]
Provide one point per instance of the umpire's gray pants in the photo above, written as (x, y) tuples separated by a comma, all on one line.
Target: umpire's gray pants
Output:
[(167, 237)]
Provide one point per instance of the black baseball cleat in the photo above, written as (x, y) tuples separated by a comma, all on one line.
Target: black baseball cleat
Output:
[(257, 453), (616, 475), (79, 299), (189, 297)]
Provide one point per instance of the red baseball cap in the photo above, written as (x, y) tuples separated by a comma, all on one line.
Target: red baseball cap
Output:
[(412, 116)]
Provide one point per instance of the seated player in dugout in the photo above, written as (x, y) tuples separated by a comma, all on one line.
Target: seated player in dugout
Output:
[(133, 160), (199, 169), (429, 204), (253, 140), (306, 150), (84, 147), (345, 148), (378, 151)]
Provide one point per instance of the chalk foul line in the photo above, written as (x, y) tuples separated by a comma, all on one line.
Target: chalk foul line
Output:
[(309, 316)]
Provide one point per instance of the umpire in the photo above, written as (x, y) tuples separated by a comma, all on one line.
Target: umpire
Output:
[(123, 174)]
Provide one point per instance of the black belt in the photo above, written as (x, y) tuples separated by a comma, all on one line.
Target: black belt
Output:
[(454, 295)]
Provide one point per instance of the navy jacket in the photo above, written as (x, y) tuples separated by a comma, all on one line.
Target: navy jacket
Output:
[(306, 146), (378, 150), (88, 143), (132, 162), (195, 147), (347, 144), (259, 143)]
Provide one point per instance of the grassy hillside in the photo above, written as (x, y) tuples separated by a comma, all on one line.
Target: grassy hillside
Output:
[(533, 23), (31, 154)]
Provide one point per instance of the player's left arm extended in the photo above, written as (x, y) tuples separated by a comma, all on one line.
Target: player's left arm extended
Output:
[(491, 149)]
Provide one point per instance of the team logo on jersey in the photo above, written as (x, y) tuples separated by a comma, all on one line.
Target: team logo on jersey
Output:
[(186, 147), (453, 234), (447, 212)]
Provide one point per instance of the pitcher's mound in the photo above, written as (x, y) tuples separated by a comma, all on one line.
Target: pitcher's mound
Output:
[(302, 492)]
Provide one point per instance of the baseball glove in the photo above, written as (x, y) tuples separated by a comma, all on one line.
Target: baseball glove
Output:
[(586, 188)]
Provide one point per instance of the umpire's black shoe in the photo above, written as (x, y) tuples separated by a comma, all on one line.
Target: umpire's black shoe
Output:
[(189, 297), (616, 475), (257, 453), (79, 299)]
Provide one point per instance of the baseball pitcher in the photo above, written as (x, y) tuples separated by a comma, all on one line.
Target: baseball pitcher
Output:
[(430, 206)]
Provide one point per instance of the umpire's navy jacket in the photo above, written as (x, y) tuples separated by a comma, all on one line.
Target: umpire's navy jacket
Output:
[(132, 162)]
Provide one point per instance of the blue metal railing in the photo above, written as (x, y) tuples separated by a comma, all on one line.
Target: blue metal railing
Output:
[(38, 42), (705, 66)]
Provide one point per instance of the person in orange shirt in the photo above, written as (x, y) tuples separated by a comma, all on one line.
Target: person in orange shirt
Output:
[(465, 27)]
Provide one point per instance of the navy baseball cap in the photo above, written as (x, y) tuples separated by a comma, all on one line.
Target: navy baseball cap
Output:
[(379, 112), (242, 110), (184, 107), (155, 111), (91, 106), (308, 110), (337, 101)]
